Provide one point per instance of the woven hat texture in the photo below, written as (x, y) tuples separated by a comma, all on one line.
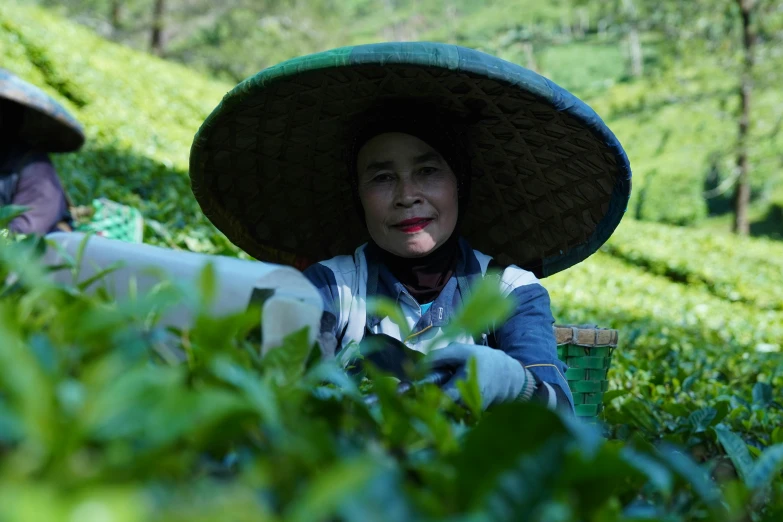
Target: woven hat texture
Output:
[(550, 182)]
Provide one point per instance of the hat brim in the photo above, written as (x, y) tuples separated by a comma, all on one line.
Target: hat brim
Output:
[(46, 125), (268, 167)]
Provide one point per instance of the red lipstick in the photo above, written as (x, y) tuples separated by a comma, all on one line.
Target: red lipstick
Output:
[(410, 226)]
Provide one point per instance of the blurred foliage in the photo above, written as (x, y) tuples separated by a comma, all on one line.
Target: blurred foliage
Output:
[(100, 420)]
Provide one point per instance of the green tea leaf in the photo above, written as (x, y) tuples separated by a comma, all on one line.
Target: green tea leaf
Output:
[(611, 395), (208, 283), (723, 408), (762, 394), (469, 389), (519, 492), (702, 419), (693, 475), (737, 451), (261, 395), (505, 433), (332, 488), (11, 426), (83, 285), (9, 212), (485, 307), (286, 364), (658, 474), (384, 307), (689, 381), (767, 467)]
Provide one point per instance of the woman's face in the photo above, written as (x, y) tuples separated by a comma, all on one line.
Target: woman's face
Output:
[(408, 192)]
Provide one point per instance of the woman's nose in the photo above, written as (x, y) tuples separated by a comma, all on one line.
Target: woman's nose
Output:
[(408, 193)]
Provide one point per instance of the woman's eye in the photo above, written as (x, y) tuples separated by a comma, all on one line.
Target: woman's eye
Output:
[(428, 170), (380, 178)]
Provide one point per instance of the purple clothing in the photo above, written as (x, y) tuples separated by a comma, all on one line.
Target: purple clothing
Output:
[(40, 189)]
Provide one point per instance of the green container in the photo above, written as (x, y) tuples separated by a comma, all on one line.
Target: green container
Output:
[(587, 350), (111, 220)]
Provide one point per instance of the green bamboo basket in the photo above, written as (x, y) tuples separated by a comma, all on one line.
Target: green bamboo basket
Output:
[(109, 219), (587, 350)]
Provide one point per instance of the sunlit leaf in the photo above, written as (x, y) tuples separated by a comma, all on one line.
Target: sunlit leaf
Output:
[(208, 283), (469, 390), (485, 307), (385, 307)]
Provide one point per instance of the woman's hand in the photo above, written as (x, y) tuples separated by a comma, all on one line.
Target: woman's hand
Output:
[(500, 378)]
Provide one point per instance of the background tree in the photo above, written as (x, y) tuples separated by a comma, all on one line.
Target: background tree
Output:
[(158, 27), (725, 31), (747, 10)]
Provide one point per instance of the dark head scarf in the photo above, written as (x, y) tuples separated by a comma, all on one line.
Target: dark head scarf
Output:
[(424, 277), (11, 145)]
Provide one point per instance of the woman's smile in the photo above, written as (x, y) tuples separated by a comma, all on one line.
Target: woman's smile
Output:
[(413, 225)]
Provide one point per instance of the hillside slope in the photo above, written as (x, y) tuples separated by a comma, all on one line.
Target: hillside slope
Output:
[(141, 113), (678, 122)]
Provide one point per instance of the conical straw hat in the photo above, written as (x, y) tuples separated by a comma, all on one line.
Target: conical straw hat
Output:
[(550, 181), (46, 125)]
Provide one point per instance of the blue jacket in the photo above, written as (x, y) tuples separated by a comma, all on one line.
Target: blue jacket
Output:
[(345, 282)]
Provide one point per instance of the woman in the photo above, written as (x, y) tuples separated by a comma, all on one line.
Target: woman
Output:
[(442, 150), (31, 126)]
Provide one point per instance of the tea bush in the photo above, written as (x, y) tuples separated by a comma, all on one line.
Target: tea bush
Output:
[(105, 416), (734, 269)]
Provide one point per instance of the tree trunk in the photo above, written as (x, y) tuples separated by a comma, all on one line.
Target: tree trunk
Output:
[(635, 51), (635, 54), (158, 27), (565, 24), (584, 22), (451, 16), (115, 16), (742, 188), (530, 56)]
